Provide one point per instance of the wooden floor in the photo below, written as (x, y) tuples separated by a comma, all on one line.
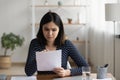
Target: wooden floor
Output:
[(16, 69)]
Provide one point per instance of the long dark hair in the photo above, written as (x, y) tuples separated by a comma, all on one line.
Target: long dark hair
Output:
[(54, 17)]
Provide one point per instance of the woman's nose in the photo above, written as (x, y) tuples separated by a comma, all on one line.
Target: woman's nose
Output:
[(50, 32)]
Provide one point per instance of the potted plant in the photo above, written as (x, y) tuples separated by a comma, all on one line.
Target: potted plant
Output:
[(9, 42), (69, 20)]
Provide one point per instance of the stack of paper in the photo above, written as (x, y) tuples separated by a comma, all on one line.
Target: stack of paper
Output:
[(23, 78)]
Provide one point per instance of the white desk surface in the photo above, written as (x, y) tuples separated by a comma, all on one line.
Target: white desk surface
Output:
[(54, 77), (93, 77)]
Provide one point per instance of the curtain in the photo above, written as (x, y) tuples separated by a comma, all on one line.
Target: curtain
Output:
[(100, 35)]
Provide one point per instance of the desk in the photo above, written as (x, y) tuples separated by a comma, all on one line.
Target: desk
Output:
[(53, 77)]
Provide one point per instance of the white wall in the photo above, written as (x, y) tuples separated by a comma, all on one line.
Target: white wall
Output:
[(15, 17)]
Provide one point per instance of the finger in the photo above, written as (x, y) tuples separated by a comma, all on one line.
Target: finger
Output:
[(59, 68), (61, 74), (58, 71)]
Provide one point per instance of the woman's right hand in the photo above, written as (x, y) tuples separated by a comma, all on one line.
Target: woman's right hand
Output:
[(62, 72)]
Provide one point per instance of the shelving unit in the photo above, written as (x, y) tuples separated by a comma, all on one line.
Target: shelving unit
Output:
[(37, 24), (75, 11), (60, 6)]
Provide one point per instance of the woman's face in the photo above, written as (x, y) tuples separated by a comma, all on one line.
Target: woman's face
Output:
[(50, 31)]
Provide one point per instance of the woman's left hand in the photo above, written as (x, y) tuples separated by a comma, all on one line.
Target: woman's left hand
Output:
[(62, 72)]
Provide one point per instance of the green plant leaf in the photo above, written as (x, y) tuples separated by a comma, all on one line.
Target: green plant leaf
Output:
[(11, 41)]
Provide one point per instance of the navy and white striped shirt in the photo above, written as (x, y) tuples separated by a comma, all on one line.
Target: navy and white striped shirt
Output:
[(68, 50)]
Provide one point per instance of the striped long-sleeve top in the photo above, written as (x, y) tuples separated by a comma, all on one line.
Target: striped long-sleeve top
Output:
[(68, 50)]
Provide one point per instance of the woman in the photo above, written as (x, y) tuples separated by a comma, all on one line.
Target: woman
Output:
[(51, 37)]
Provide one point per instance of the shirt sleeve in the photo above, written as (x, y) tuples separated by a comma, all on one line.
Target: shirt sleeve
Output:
[(77, 58), (30, 67)]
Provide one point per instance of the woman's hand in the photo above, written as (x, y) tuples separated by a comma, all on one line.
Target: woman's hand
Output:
[(62, 72)]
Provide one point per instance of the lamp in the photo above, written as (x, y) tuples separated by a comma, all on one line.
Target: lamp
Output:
[(112, 13)]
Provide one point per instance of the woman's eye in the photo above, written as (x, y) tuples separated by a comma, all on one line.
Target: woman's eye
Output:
[(53, 29), (46, 29)]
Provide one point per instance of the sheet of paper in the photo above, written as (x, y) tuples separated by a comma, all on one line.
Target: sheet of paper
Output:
[(47, 61), (23, 78), (69, 78), (103, 79)]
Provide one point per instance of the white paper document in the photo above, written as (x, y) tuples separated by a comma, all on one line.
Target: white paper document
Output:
[(103, 79), (23, 78), (70, 78), (48, 60)]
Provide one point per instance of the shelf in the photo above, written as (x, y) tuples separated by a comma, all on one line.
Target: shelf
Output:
[(37, 24), (60, 6), (74, 23), (78, 41)]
